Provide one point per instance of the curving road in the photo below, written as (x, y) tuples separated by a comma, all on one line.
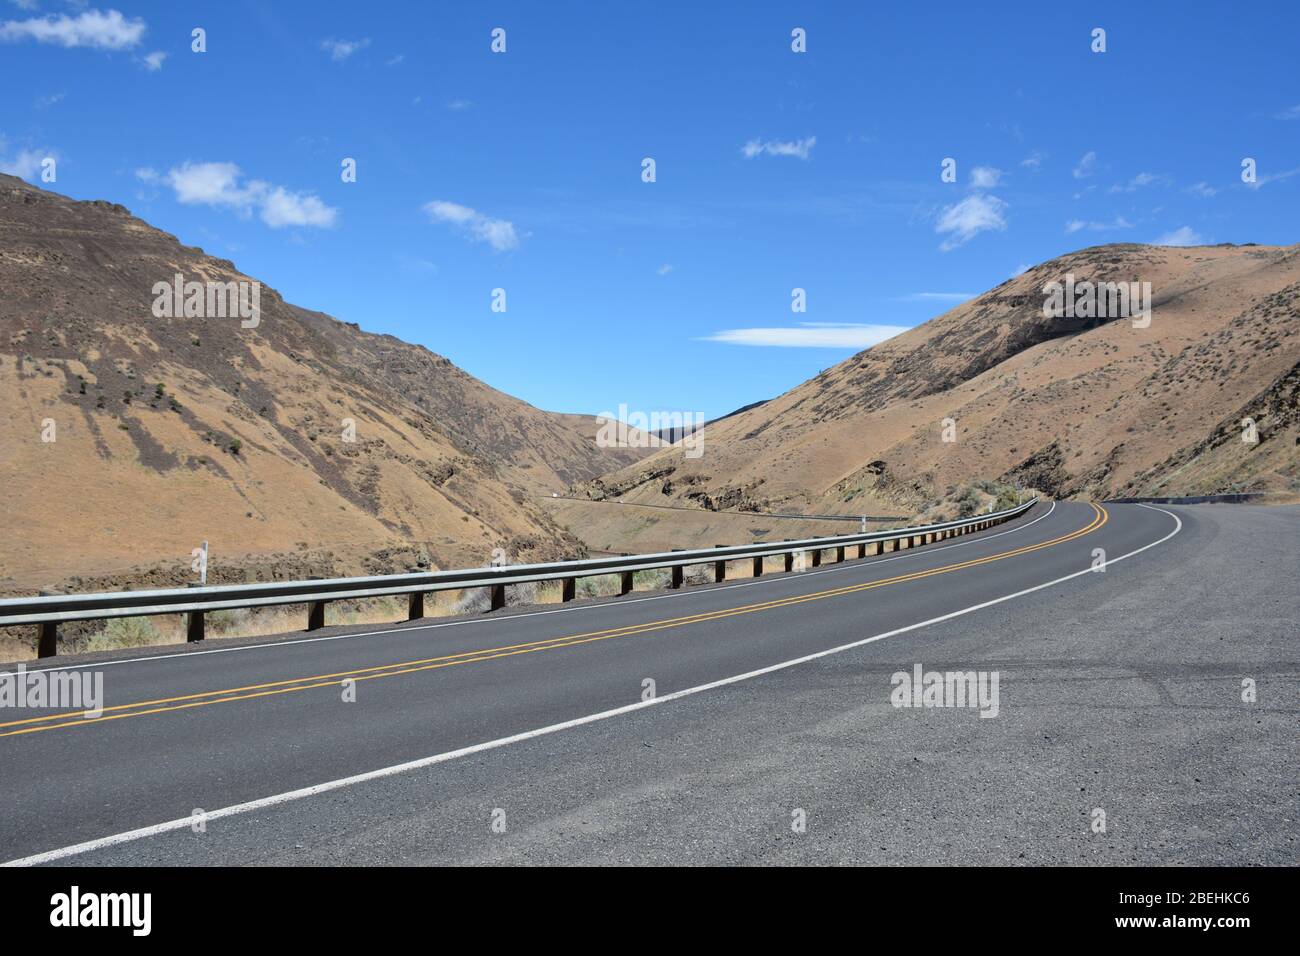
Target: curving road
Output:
[(769, 736)]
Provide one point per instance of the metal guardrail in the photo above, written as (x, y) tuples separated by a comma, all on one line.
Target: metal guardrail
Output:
[(1228, 499), (48, 611)]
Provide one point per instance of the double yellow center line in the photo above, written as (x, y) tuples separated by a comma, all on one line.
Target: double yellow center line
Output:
[(203, 699)]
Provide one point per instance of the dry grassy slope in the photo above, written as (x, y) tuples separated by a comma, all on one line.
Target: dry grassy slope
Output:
[(443, 468), (1074, 407)]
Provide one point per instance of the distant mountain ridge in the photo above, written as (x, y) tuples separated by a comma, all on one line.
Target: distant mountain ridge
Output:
[(998, 387)]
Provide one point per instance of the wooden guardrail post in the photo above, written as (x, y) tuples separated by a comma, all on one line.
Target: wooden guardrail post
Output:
[(625, 584), (415, 605), (816, 557), (719, 568), (193, 622), (839, 555), (758, 566), (568, 589), (497, 597), (789, 561), (316, 615), (47, 633)]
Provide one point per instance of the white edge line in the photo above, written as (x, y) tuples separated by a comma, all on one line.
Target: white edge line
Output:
[(398, 628), (292, 795)]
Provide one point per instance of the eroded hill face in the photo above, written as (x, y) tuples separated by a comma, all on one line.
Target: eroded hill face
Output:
[(1083, 406), (301, 445)]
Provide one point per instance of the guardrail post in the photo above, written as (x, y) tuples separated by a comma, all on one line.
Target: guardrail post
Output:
[(758, 567), (193, 622), (315, 615), (897, 544), (497, 595), (47, 638), (862, 550), (568, 588), (719, 568), (625, 585), (817, 557), (677, 574), (415, 605), (839, 555), (789, 561)]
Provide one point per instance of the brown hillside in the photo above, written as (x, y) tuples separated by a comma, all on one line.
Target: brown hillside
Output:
[(170, 431)]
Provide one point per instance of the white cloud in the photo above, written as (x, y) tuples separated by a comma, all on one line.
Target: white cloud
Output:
[(147, 174), (801, 148), (394, 60), (1087, 165), (939, 296), (459, 105), (1290, 113), (214, 184), (1077, 225), (1139, 181), (984, 177), (1184, 236), (218, 184), (26, 163), (823, 335), (154, 61), (340, 50), (1202, 189), (1033, 160), (1274, 178), (91, 28), (498, 233), (967, 219), (45, 102), (664, 269), (282, 208)]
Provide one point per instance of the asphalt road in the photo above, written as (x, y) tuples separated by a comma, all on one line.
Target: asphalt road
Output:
[(1119, 690)]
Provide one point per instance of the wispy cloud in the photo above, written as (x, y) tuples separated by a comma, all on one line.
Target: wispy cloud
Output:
[(1183, 236), (1078, 225), (1033, 161), (1202, 189), (219, 184), (965, 220), (985, 177), (664, 269), (498, 233), (340, 50), (1087, 165), (153, 62), (91, 28), (459, 105), (1274, 178), (1140, 181), (1290, 113), (25, 163), (801, 148), (395, 59), (938, 296), (821, 335), (45, 102)]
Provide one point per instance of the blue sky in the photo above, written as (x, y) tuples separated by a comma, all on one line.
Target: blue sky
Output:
[(775, 170)]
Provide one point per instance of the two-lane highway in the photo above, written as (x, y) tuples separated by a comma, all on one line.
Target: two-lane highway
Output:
[(240, 732)]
